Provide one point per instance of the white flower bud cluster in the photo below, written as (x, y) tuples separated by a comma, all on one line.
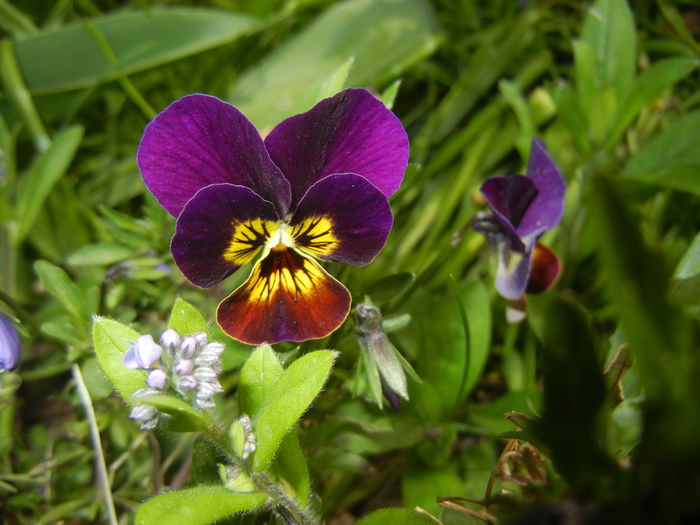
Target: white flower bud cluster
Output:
[(196, 368), (249, 445), (190, 363)]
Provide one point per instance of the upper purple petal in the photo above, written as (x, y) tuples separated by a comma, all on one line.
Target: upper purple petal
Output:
[(351, 132), (357, 218), (510, 197), (221, 228), (546, 208), (199, 140)]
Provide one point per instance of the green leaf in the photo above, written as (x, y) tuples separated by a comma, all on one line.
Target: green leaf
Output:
[(384, 36), (186, 319), (685, 285), (100, 254), (196, 506), (647, 88), (111, 340), (34, 187), (609, 31), (61, 286), (390, 287), (70, 57), (185, 418), (289, 398), (389, 94), (290, 466), (336, 81), (402, 516), (672, 158), (259, 375), (421, 486), (475, 301)]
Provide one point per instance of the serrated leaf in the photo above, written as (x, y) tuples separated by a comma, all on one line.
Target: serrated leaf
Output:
[(290, 397), (61, 286), (111, 339), (196, 506), (34, 187), (70, 57), (186, 319)]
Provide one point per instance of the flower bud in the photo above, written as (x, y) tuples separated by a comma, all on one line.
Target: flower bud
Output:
[(157, 379), (205, 374), (188, 347), (9, 344), (170, 339), (187, 383), (183, 367), (204, 402), (201, 338), (143, 412), (208, 389), (143, 353)]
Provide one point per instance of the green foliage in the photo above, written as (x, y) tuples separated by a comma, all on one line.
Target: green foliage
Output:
[(111, 340), (197, 506)]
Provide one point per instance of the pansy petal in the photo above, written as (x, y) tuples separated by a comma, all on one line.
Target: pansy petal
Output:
[(344, 218), (200, 140), (547, 207), (288, 297), (509, 197), (544, 269), (220, 229), (351, 132), (513, 270)]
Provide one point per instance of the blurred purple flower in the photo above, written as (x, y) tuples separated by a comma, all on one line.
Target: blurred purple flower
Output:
[(523, 207), (316, 187), (9, 344)]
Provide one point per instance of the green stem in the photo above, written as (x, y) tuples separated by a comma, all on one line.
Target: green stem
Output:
[(96, 443), (262, 481)]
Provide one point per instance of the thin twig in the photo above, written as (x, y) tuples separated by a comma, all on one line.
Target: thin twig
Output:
[(96, 442)]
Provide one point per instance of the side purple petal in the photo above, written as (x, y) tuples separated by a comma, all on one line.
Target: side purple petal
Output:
[(9, 344), (510, 197), (351, 132), (199, 140), (221, 228), (546, 208), (344, 218)]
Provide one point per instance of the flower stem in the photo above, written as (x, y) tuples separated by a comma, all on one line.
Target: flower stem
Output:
[(96, 442), (262, 481)]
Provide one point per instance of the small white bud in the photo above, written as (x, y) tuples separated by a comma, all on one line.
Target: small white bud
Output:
[(157, 379), (143, 353), (187, 383), (143, 412), (183, 367), (201, 338), (204, 402), (188, 347), (205, 374), (170, 339)]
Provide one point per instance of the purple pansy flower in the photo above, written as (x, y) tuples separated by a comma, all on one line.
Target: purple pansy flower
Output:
[(523, 207), (316, 187), (9, 344)]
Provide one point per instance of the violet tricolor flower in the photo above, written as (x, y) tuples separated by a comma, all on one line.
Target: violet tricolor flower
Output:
[(523, 208), (317, 186), (9, 344)]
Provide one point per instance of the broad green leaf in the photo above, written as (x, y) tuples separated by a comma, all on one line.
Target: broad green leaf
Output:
[(574, 393), (36, 184), (111, 339), (672, 158), (70, 57), (185, 319), (259, 375), (685, 285), (384, 36), (61, 286), (475, 301), (288, 400), (196, 506), (609, 31), (98, 386), (647, 88), (185, 418), (290, 466), (402, 516), (100, 254)]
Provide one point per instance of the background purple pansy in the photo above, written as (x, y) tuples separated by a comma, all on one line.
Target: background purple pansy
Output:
[(524, 207)]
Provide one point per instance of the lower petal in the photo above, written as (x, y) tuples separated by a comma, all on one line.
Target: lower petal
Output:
[(513, 270), (544, 269), (288, 297)]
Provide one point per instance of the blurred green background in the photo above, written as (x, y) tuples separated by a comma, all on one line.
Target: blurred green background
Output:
[(605, 365)]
